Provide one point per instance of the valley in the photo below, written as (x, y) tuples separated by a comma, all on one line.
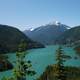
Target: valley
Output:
[(41, 58)]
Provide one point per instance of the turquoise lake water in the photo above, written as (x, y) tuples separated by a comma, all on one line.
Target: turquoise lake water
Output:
[(43, 57)]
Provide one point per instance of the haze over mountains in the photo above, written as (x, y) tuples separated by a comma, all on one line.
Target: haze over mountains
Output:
[(50, 34), (53, 33), (47, 34)]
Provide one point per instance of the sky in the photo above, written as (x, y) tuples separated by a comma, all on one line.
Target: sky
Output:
[(25, 14)]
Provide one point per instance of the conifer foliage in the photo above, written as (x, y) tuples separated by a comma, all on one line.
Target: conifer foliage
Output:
[(22, 67), (60, 73)]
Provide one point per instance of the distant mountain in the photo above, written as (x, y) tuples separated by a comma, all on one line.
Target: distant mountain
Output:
[(71, 36), (11, 37), (48, 33)]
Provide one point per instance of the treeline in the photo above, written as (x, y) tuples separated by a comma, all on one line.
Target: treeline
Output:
[(72, 73)]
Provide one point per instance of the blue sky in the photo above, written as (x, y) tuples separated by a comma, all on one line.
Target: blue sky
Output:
[(24, 14)]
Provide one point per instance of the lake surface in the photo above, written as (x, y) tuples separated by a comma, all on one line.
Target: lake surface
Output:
[(43, 57)]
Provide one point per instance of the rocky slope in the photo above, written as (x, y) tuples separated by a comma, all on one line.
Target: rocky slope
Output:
[(46, 34)]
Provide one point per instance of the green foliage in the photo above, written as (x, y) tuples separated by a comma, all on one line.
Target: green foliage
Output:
[(57, 72), (59, 67), (4, 78), (22, 67), (72, 73), (9, 78)]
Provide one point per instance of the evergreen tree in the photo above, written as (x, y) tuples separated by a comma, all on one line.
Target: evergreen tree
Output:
[(22, 67), (60, 70)]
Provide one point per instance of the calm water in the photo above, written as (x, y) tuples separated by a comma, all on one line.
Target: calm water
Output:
[(43, 57)]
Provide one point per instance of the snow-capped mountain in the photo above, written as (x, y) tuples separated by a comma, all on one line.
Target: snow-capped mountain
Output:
[(46, 34)]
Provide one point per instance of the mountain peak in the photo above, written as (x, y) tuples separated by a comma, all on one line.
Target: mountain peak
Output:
[(55, 23), (46, 34)]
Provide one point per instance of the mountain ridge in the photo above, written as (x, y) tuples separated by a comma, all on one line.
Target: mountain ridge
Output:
[(70, 36), (11, 37), (47, 33)]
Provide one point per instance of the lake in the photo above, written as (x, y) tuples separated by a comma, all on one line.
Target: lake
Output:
[(43, 57)]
